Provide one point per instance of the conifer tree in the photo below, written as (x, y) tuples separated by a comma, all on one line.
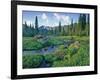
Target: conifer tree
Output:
[(36, 25), (25, 24), (59, 26)]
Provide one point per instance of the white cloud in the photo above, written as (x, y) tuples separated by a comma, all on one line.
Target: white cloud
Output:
[(45, 17), (57, 16), (64, 18)]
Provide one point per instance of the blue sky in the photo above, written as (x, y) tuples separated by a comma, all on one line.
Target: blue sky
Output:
[(49, 18)]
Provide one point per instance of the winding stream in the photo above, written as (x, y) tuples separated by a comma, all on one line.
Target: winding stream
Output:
[(46, 50)]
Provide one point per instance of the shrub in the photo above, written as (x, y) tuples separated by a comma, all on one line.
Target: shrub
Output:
[(49, 58), (47, 43), (32, 44), (73, 48), (61, 47), (59, 54), (55, 41), (32, 61), (81, 58)]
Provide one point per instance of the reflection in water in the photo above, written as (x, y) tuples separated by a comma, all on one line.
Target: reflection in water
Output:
[(45, 50)]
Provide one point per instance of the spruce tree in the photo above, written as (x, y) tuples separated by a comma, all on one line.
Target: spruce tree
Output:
[(88, 25), (64, 31), (83, 21), (88, 19), (72, 26), (25, 24), (68, 29), (36, 25), (79, 28), (59, 26)]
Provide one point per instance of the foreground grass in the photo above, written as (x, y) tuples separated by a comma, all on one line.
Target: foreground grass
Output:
[(76, 54)]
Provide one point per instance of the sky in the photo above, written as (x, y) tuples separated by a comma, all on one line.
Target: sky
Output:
[(49, 18)]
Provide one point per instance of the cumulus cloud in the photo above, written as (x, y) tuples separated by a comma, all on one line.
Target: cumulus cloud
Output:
[(57, 16), (66, 19), (45, 17)]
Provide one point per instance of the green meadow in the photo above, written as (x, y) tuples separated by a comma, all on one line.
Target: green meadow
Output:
[(57, 46)]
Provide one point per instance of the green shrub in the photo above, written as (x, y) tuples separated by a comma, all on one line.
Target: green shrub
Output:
[(59, 54), (81, 58), (32, 61), (61, 47), (54, 41), (75, 58), (73, 48), (31, 44), (47, 43), (49, 59)]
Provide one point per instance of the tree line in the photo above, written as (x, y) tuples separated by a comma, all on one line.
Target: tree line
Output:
[(80, 28)]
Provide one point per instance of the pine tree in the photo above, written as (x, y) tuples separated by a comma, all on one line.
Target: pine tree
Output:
[(75, 28), (82, 24), (64, 31), (72, 27), (88, 19), (36, 25), (83, 21), (56, 30), (88, 24), (25, 24), (68, 29), (59, 26), (79, 27)]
